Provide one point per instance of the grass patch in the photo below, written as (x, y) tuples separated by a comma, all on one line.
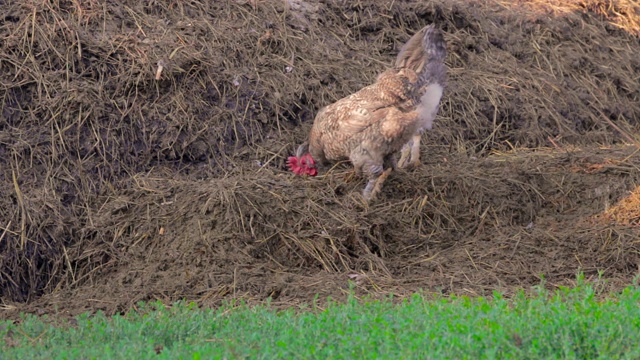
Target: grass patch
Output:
[(569, 324)]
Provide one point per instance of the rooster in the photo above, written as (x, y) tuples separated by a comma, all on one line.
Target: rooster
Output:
[(370, 126)]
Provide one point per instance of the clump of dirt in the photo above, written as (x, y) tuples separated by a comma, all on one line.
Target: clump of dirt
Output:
[(142, 148)]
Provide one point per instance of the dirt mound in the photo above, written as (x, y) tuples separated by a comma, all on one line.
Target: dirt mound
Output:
[(117, 187)]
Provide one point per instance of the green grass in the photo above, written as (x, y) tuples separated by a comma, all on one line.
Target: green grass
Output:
[(568, 324)]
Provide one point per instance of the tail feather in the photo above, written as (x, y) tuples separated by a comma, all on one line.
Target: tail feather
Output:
[(425, 53), (427, 45)]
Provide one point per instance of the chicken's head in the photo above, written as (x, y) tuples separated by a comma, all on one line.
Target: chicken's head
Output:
[(302, 165)]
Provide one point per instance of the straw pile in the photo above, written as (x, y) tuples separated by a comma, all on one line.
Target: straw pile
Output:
[(142, 150)]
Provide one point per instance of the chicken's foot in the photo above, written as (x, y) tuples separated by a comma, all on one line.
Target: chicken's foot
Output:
[(375, 185)]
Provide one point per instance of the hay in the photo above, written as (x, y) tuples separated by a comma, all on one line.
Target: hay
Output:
[(626, 211), (116, 183)]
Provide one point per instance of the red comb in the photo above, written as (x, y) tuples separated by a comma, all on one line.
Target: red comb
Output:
[(292, 163)]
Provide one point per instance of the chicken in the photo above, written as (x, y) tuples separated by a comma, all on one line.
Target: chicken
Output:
[(372, 125)]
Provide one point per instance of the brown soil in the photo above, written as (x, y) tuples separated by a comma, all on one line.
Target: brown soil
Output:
[(116, 187)]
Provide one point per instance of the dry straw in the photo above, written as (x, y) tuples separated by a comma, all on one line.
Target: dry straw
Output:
[(142, 149)]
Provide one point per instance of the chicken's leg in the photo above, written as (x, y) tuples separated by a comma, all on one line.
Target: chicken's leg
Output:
[(410, 153), (415, 150), (405, 155), (375, 185), (378, 185)]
